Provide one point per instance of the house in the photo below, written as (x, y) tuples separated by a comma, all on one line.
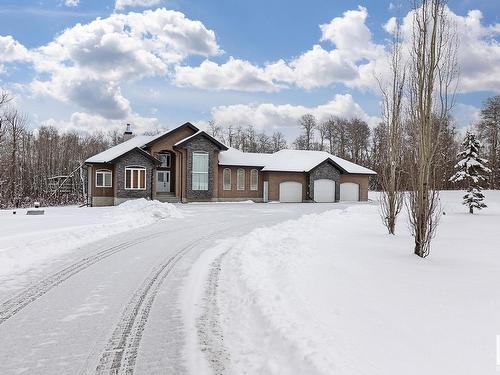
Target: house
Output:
[(186, 164)]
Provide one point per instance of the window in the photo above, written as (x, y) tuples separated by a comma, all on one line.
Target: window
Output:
[(135, 178), (103, 178), (254, 179), (200, 171), (226, 179), (165, 160), (240, 179)]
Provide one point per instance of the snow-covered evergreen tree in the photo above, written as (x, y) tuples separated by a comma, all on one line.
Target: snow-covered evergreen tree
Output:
[(471, 169)]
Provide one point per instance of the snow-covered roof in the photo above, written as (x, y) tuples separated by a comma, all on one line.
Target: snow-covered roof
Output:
[(237, 158), (120, 149), (188, 138), (288, 161), (124, 147)]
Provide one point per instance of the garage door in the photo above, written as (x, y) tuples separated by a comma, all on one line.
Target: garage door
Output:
[(349, 191), (324, 190), (290, 191)]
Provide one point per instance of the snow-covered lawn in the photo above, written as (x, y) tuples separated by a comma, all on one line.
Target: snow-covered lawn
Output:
[(332, 293), (27, 241)]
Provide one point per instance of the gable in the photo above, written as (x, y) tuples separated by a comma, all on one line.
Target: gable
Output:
[(328, 164), (138, 154), (167, 140), (201, 135)]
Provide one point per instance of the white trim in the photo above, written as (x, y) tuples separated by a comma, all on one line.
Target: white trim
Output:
[(104, 172), (136, 168), (256, 186), (169, 165), (224, 186), (193, 172), (238, 187)]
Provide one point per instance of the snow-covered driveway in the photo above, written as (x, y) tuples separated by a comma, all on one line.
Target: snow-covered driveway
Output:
[(111, 306)]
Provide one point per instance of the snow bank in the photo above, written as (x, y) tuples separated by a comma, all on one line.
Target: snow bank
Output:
[(28, 241), (334, 294)]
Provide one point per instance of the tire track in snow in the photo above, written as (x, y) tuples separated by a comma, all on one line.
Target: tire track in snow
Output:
[(120, 354), (13, 305)]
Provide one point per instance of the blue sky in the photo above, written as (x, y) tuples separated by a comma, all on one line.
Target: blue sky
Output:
[(155, 87)]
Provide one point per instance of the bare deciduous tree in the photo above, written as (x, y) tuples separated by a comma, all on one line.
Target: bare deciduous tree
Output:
[(431, 94), (308, 124), (390, 137), (278, 141), (489, 132)]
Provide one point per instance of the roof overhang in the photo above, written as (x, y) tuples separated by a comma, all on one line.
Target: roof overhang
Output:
[(140, 150)]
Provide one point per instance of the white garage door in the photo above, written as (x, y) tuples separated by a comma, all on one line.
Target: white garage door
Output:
[(324, 190), (349, 191), (290, 191)]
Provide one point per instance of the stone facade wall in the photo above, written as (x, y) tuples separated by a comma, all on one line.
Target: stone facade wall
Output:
[(202, 144), (102, 201), (134, 158), (325, 171)]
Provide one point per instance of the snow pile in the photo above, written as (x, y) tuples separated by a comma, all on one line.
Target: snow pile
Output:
[(30, 241), (333, 293), (142, 211)]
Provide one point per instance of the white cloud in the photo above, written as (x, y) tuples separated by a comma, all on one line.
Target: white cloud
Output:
[(355, 61), (317, 67), (87, 122), (466, 114), (478, 52), (391, 25), (233, 75), (284, 117), (122, 4), (12, 50), (351, 36), (71, 3), (86, 64)]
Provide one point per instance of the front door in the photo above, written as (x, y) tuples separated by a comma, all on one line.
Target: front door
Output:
[(162, 181)]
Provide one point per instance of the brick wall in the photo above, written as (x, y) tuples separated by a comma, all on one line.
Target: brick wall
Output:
[(361, 180), (275, 178), (234, 193)]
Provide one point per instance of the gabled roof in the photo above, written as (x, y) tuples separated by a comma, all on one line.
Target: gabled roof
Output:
[(139, 141), (201, 133), (290, 161), (119, 150), (141, 151), (167, 133)]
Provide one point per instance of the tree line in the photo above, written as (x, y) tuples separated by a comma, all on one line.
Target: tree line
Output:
[(30, 158)]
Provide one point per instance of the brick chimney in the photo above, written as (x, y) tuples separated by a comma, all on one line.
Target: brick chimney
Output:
[(128, 133)]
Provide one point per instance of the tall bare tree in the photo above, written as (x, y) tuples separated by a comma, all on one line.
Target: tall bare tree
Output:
[(278, 141), (390, 137), (489, 132), (16, 124), (433, 71), (308, 124), (358, 138)]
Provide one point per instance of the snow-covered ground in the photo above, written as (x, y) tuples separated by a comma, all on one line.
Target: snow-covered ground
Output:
[(27, 241), (332, 293)]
